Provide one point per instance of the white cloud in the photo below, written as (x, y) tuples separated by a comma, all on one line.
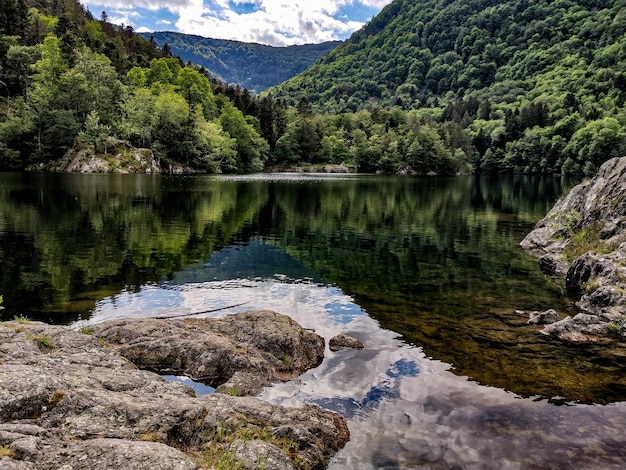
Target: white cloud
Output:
[(275, 22)]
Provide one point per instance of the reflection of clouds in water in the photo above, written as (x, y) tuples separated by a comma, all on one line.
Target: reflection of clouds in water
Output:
[(404, 410)]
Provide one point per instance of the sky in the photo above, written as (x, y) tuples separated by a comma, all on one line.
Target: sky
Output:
[(273, 22)]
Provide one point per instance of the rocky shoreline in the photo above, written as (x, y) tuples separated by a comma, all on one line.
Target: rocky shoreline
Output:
[(583, 239), (93, 399)]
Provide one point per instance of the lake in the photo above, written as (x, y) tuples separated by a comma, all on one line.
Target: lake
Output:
[(426, 271)]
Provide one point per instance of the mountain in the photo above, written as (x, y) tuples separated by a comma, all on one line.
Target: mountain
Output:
[(417, 50), (253, 66), (525, 86)]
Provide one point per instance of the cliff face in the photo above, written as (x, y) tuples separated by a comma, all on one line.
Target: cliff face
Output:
[(583, 238)]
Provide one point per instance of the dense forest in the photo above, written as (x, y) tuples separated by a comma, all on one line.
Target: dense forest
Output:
[(522, 86), (518, 85), (256, 67)]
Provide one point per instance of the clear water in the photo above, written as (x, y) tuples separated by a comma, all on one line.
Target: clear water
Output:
[(427, 272)]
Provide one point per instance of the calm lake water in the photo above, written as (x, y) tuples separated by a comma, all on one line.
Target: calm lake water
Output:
[(427, 272)]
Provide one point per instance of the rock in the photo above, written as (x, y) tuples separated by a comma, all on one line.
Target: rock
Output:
[(69, 401), (342, 341), (552, 265), (584, 268), (121, 158), (256, 454), (592, 217), (237, 354), (565, 330), (543, 318)]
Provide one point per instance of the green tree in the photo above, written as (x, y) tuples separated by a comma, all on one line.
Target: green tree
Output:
[(597, 142), (251, 147), (95, 133)]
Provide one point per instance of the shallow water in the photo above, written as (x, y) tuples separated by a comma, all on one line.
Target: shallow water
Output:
[(428, 273)]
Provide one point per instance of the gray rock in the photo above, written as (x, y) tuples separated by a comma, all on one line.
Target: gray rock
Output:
[(113, 454), (255, 454), (68, 401), (342, 341), (595, 210), (565, 330), (552, 265), (585, 268), (237, 354), (543, 318)]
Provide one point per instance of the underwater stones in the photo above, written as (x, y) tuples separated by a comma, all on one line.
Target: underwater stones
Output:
[(543, 318), (341, 341), (83, 405), (583, 328)]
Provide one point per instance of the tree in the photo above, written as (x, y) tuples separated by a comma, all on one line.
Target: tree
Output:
[(95, 133), (251, 148), (597, 142)]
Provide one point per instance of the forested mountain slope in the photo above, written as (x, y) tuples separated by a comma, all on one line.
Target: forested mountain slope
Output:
[(72, 84), (533, 82), (428, 86), (253, 66)]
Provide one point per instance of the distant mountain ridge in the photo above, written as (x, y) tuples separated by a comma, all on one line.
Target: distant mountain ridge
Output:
[(256, 67)]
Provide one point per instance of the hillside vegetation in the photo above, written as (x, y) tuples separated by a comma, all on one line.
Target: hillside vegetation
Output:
[(70, 81), (535, 85), (256, 67), (428, 86)]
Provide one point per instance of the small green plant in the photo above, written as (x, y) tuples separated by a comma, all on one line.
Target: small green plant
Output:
[(590, 286), (21, 319), (43, 342), (6, 451), (219, 447), (587, 239), (614, 328), (233, 392), (86, 330)]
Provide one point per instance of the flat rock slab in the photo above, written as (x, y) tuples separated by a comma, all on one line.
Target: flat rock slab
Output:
[(71, 400)]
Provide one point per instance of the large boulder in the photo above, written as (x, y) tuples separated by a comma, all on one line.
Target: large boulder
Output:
[(583, 239), (238, 354), (69, 399)]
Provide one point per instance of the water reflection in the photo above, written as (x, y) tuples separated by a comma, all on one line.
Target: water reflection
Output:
[(404, 409), (427, 272)]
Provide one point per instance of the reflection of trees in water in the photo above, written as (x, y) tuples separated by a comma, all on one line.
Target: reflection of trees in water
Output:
[(67, 237)]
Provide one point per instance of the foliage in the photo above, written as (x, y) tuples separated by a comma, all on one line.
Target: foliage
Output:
[(253, 66), (537, 86), (426, 87)]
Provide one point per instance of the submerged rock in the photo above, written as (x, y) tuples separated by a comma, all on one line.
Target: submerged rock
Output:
[(71, 400), (543, 318), (583, 237), (342, 341)]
